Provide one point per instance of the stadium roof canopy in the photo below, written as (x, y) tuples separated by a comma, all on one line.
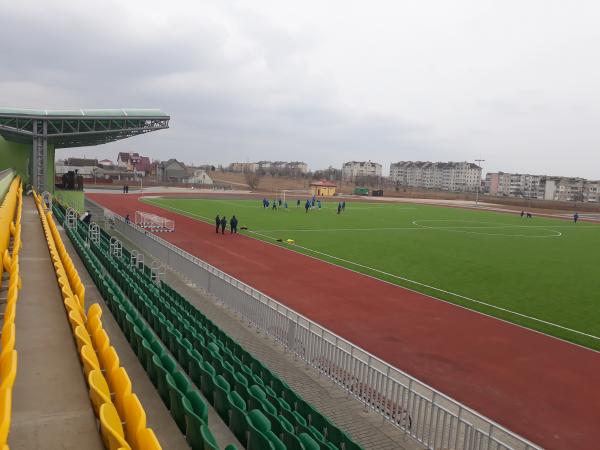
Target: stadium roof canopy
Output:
[(78, 127)]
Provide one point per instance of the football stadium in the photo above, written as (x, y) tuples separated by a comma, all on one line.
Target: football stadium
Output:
[(336, 322), (242, 300)]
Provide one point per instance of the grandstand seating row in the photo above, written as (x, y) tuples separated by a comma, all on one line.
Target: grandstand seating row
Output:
[(10, 232), (165, 329), (110, 388)]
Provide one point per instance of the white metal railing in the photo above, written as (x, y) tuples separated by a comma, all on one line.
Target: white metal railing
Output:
[(427, 415)]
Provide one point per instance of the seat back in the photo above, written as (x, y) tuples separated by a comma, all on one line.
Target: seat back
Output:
[(147, 440), (99, 391), (8, 339), (135, 421), (109, 359), (100, 340), (94, 324), (8, 369), (120, 384), (5, 413), (82, 337), (89, 359), (111, 428), (94, 311)]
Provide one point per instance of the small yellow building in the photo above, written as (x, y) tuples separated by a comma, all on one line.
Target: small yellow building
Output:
[(323, 188)]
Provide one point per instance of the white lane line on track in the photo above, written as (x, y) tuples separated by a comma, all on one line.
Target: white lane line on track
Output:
[(418, 283)]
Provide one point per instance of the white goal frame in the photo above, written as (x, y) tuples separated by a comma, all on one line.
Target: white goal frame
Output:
[(284, 193)]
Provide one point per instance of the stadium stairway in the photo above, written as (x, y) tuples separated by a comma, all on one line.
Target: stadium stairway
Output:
[(180, 347), (51, 407)]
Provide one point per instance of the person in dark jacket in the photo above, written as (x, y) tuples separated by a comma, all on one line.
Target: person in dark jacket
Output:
[(234, 223), (223, 224), (87, 217), (217, 223), (575, 217), (339, 207), (307, 205)]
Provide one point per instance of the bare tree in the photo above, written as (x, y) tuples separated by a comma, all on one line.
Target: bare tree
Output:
[(252, 179)]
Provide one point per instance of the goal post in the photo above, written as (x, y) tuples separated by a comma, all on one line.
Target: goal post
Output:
[(292, 194)]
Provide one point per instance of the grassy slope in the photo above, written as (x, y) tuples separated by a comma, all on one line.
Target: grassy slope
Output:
[(550, 278)]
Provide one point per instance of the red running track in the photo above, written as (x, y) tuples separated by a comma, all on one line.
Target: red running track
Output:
[(542, 388)]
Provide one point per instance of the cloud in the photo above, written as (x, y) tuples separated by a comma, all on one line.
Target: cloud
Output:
[(319, 82)]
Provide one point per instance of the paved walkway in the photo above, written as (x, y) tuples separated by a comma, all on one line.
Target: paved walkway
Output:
[(367, 428), (51, 406)]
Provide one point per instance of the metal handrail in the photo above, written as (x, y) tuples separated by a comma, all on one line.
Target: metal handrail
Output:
[(419, 406)]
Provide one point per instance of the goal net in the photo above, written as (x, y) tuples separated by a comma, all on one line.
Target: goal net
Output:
[(292, 195)]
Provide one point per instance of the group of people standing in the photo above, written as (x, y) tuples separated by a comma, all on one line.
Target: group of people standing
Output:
[(221, 223), (266, 203), (125, 189)]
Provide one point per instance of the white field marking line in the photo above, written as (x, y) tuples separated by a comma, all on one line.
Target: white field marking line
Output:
[(343, 229), (418, 283), (436, 288), (420, 228), (463, 229)]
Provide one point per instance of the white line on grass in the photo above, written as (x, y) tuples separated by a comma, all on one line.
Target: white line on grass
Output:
[(408, 280), (434, 288)]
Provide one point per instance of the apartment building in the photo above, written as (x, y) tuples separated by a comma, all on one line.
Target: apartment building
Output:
[(447, 176), (513, 184), (353, 169), (566, 189), (243, 167)]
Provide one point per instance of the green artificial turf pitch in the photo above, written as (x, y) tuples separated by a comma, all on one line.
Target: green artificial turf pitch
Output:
[(541, 273)]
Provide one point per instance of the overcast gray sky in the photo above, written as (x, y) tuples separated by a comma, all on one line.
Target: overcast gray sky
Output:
[(516, 82)]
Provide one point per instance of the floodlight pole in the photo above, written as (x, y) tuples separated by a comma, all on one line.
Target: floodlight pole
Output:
[(478, 161)]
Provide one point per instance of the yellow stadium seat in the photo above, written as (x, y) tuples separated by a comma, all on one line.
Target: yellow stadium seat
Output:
[(5, 413), (135, 421), (75, 319), (9, 312), (111, 428), (8, 339), (99, 392), (89, 359), (8, 370), (101, 341), (148, 440), (93, 324), (94, 310), (71, 303), (120, 385), (109, 359), (6, 260), (82, 337)]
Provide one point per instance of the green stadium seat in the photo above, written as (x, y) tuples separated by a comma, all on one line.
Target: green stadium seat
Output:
[(258, 427), (257, 397), (179, 388), (237, 417), (195, 367), (221, 403), (208, 439), (207, 373), (308, 442)]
